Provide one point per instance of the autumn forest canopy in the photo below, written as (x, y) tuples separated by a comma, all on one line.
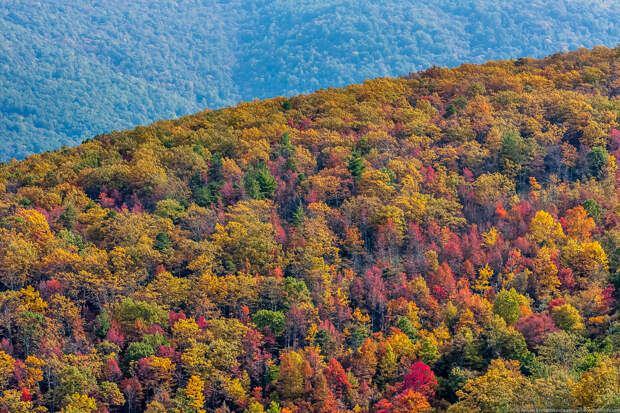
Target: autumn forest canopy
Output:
[(445, 241)]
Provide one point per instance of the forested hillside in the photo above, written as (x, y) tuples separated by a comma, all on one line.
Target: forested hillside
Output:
[(447, 241), (71, 70)]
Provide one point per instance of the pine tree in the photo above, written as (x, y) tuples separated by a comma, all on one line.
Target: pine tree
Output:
[(450, 110), (299, 215), (356, 165)]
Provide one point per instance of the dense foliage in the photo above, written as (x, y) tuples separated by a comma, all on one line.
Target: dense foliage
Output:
[(446, 241), (70, 70)]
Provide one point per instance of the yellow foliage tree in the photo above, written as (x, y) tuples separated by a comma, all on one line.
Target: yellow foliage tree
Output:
[(79, 403), (195, 393), (567, 317), (7, 365), (599, 387), (544, 229), (481, 284), (501, 389), (490, 238)]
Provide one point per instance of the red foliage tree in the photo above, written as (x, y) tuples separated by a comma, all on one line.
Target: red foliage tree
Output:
[(26, 396), (337, 379), (112, 372), (114, 334), (420, 379), (384, 406), (535, 328)]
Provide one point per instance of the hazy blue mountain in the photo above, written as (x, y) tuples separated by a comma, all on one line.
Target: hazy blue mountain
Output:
[(70, 70)]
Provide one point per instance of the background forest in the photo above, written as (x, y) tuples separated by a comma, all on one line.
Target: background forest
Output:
[(71, 70), (448, 241)]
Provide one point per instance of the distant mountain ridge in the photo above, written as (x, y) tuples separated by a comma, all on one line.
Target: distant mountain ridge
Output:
[(70, 71)]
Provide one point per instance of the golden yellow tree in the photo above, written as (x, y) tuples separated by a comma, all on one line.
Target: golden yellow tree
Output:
[(195, 393)]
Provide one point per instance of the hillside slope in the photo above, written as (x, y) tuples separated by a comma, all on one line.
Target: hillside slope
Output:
[(71, 70), (445, 241)]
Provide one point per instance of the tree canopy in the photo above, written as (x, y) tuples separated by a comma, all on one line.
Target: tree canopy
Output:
[(351, 250)]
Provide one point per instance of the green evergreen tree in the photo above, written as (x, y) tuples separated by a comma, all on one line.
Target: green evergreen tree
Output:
[(162, 242), (356, 165), (450, 111), (593, 209), (299, 215), (266, 182), (259, 183), (597, 159), (286, 148)]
